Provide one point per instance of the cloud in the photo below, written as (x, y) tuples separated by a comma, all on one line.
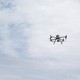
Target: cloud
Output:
[(17, 68), (49, 18), (25, 49), (6, 4)]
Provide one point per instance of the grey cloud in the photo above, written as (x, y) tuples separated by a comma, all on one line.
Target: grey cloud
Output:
[(16, 68), (25, 50), (6, 4)]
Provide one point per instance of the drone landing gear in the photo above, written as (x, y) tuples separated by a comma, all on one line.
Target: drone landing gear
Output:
[(54, 42), (61, 42)]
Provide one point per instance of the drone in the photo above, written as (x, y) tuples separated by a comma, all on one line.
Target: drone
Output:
[(57, 39)]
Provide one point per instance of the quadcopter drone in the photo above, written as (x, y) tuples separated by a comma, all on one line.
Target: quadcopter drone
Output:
[(57, 39)]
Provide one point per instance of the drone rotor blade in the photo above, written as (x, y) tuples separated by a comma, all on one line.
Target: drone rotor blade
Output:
[(63, 40), (66, 37), (50, 36)]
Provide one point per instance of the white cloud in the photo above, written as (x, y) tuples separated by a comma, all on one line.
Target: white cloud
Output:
[(24, 33), (49, 18)]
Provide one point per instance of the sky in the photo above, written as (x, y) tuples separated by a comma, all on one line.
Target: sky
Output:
[(25, 50)]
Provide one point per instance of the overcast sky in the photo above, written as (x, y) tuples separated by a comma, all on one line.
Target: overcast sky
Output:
[(25, 50)]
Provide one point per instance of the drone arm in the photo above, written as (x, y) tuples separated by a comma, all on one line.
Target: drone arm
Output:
[(52, 36), (52, 39), (64, 37)]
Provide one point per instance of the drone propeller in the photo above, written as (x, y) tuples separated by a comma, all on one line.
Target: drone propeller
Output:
[(50, 36), (66, 37), (63, 40)]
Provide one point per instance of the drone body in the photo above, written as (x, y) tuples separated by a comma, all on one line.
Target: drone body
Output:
[(57, 39)]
